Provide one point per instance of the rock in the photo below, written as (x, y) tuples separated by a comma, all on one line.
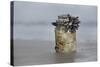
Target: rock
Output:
[(65, 33), (65, 41)]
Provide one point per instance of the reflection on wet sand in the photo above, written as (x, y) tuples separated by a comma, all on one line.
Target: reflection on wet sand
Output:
[(35, 52), (64, 57)]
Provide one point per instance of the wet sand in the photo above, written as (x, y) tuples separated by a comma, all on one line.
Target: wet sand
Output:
[(36, 52)]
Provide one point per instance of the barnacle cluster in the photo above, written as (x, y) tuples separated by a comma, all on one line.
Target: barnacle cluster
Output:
[(70, 23)]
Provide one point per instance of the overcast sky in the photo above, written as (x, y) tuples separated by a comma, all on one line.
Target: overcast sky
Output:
[(33, 11)]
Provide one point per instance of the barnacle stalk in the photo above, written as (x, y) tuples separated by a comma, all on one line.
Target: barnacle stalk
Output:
[(65, 33)]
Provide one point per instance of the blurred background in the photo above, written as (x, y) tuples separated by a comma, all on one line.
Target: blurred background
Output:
[(34, 19)]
